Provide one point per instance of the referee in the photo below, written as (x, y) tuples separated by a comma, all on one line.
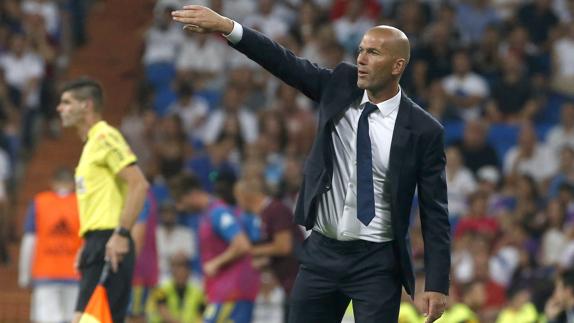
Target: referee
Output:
[(111, 190)]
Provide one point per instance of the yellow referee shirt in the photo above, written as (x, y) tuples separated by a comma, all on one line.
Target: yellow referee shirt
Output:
[(101, 194)]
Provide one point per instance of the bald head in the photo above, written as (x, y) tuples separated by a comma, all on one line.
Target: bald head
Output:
[(393, 39)]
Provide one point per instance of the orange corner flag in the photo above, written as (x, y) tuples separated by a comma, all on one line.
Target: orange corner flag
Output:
[(98, 308)]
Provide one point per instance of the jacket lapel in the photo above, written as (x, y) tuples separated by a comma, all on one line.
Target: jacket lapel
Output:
[(341, 104), (399, 146)]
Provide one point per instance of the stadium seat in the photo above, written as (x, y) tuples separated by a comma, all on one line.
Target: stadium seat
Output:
[(164, 96), (502, 137), (542, 130), (160, 74), (453, 131)]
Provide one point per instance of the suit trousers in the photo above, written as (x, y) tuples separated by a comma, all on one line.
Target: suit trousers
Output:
[(332, 273)]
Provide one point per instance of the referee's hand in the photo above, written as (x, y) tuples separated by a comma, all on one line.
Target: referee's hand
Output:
[(116, 248)]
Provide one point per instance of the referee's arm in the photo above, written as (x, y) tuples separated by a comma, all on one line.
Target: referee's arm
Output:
[(137, 187)]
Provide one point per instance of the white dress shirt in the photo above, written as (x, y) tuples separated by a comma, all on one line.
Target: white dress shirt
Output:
[(337, 211)]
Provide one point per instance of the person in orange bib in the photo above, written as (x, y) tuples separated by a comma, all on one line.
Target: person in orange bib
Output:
[(49, 249)]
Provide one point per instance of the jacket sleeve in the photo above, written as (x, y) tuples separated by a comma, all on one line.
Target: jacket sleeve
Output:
[(432, 193), (300, 73)]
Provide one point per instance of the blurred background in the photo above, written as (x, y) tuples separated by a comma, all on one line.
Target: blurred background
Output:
[(498, 74)]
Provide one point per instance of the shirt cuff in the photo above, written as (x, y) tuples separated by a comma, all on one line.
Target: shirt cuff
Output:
[(236, 34)]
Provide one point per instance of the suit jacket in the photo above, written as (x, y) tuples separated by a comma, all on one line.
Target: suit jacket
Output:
[(417, 156)]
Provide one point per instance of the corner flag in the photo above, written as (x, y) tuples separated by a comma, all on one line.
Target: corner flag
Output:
[(98, 308)]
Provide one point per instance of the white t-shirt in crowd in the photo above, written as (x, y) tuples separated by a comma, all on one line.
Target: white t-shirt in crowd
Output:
[(179, 240), (563, 53), (18, 71), (460, 186), (470, 84), (541, 165), (162, 46), (207, 57)]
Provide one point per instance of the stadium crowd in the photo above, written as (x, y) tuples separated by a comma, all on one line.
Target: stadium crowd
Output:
[(36, 40), (498, 74)]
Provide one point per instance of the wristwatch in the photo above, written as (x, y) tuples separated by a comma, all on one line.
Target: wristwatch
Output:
[(123, 232)]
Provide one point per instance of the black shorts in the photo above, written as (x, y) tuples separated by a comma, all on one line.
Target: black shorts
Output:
[(118, 285)]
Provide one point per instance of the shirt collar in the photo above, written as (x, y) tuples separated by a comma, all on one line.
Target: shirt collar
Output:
[(95, 128), (386, 107)]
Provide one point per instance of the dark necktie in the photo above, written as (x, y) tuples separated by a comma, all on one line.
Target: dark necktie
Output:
[(365, 194)]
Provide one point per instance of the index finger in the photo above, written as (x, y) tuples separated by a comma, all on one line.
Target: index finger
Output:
[(192, 7), (114, 261)]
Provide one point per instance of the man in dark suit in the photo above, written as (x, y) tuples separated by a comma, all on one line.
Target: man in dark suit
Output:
[(373, 147)]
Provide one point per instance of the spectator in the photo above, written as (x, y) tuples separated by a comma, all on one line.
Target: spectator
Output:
[(529, 156), (267, 20), (352, 25), (473, 17), (460, 181), (521, 105), (506, 253), (411, 19), (565, 174), (170, 147), (298, 118), (172, 239), (216, 161), (138, 127), (47, 11), (269, 305), (519, 45), (273, 143), (506, 9), (495, 293), (553, 238), (191, 109), (488, 178), (477, 220), (539, 19), (313, 47), (12, 15), (526, 203), (487, 58), (465, 89), (308, 22), (476, 152), (473, 300), (163, 39), (563, 67), (563, 133), (232, 110), (178, 299), (519, 309), (23, 71), (560, 306), (201, 59)]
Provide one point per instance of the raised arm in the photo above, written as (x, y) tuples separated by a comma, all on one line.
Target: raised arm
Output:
[(301, 74)]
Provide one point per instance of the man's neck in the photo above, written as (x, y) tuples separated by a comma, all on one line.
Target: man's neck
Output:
[(84, 127), (384, 94)]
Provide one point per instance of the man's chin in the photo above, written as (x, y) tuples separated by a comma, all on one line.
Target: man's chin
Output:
[(361, 85)]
